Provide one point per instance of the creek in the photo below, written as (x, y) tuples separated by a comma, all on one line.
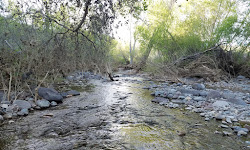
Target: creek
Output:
[(114, 115)]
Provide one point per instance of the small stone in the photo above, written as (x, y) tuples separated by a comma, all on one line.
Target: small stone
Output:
[(198, 110), (202, 114), (223, 126), (1, 118), (245, 130), (175, 105), (225, 133), (241, 132), (236, 128), (199, 98), (217, 132), (213, 95), (188, 98), (203, 93), (181, 97), (23, 112), (207, 119), (11, 121), (219, 116), (70, 78), (37, 107), (188, 108), (53, 103), (224, 122), (245, 122), (5, 106), (73, 93), (234, 120), (240, 78), (198, 86), (237, 101), (159, 100), (22, 104), (182, 133), (43, 103), (178, 101), (220, 104), (14, 115), (7, 116), (228, 120)]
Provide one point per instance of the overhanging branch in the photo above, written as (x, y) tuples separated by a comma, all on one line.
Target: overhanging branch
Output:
[(87, 4)]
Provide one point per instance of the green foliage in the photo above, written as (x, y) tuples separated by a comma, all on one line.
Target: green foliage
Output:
[(174, 30)]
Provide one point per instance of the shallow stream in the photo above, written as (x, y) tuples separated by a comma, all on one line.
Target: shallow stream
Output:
[(116, 115)]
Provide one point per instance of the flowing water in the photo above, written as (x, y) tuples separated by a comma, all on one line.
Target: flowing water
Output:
[(146, 125), (116, 115)]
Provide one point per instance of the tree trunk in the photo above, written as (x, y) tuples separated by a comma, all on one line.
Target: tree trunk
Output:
[(147, 52)]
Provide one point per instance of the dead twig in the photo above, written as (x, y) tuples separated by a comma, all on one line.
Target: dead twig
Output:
[(9, 90), (36, 90)]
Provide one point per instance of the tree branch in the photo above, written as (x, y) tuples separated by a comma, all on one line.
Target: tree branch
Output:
[(69, 29), (86, 11)]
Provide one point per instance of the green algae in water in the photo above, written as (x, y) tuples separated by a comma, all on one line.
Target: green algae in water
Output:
[(83, 88), (86, 88), (143, 135)]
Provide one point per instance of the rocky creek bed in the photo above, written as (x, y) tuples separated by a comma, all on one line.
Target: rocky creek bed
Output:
[(131, 113)]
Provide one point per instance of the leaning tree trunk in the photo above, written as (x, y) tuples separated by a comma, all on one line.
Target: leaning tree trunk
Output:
[(147, 52)]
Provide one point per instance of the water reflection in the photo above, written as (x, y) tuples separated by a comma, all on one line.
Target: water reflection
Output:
[(151, 126)]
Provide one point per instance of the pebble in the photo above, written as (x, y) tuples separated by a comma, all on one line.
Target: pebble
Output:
[(188, 98), (207, 119), (1, 118), (219, 116), (225, 133), (23, 112), (241, 132), (199, 98), (7, 116), (5, 106), (53, 103), (202, 114), (188, 108), (198, 86), (224, 122), (228, 120), (220, 104), (22, 104), (224, 126), (43, 103)]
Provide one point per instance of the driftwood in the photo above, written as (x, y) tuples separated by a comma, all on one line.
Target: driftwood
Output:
[(110, 77), (213, 64), (216, 49)]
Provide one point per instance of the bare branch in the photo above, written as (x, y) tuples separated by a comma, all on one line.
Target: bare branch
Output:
[(86, 11)]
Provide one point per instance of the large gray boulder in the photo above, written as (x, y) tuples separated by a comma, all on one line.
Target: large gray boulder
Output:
[(50, 94), (22, 104)]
